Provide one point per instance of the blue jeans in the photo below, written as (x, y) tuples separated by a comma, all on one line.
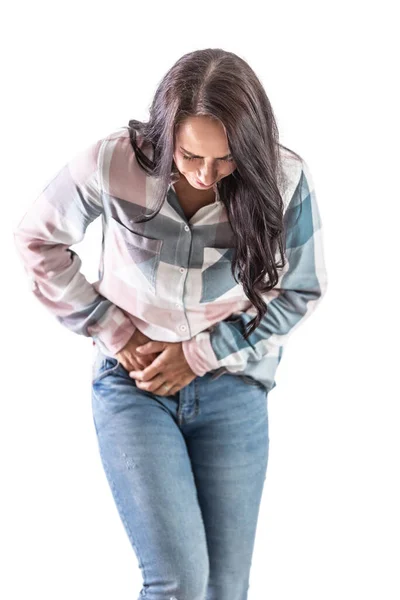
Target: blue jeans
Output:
[(186, 472)]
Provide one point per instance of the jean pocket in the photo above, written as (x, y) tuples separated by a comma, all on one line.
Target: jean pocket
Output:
[(103, 367)]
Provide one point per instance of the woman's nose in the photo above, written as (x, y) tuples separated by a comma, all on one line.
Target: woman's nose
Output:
[(207, 176)]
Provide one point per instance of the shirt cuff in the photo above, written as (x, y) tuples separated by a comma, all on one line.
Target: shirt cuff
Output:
[(114, 332), (199, 353)]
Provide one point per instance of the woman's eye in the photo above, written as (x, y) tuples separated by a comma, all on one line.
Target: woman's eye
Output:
[(195, 158)]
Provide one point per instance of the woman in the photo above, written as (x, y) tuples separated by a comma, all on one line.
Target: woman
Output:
[(211, 256)]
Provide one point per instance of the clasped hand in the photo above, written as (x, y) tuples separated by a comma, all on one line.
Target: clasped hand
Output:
[(167, 365)]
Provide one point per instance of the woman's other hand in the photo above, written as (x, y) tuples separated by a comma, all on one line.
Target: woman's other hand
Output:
[(128, 357)]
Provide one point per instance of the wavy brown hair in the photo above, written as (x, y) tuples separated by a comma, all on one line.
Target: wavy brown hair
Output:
[(220, 84)]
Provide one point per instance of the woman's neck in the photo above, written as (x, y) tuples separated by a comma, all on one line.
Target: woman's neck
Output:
[(188, 192)]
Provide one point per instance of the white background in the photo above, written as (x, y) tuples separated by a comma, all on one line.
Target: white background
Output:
[(329, 520)]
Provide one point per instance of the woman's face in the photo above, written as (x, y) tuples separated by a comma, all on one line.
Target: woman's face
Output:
[(201, 151)]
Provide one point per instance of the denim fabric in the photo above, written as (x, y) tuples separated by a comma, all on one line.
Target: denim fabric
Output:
[(186, 472)]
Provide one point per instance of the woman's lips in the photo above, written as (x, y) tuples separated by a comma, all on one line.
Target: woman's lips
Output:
[(202, 184)]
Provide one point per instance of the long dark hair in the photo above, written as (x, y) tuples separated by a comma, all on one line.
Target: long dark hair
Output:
[(220, 84)]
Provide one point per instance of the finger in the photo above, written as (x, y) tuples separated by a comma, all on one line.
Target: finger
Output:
[(132, 364), (174, 390), (142, 362), (139, 363), (138, 375), (156, 386), (150, 347), (154, 369), (178, 387), (161, 391), (146, 361), (151, 386)]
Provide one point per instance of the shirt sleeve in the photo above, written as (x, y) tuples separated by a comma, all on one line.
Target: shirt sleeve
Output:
[(58, 218), (301, 286)]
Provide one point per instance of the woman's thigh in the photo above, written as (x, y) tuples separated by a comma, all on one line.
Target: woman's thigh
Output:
[(228, 444), (148, 468)]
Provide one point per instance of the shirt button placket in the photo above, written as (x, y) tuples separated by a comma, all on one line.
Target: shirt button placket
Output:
[(182, 270), (181, 327)]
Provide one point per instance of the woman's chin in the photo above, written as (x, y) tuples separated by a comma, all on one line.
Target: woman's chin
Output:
[(199, 186)]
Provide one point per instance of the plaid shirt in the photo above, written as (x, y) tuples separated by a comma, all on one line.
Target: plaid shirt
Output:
[(170, 277)]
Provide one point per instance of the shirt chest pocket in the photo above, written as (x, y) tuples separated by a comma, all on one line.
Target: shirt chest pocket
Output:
[(136, 257), (216, 274)]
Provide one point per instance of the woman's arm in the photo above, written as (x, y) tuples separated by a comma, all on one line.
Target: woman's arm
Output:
[(297, 294), (57, 219)]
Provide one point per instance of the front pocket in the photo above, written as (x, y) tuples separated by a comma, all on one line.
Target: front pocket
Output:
[(216, 275), (139, 255), (106, 367)]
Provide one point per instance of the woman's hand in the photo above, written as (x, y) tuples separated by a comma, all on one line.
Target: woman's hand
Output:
[(128, 357), (169, 367)]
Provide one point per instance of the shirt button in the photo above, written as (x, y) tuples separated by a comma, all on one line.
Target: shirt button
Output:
[(182, 270), (187, 228), (182, 327)]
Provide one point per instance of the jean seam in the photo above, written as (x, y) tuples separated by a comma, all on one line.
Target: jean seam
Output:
[(124, 519)]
